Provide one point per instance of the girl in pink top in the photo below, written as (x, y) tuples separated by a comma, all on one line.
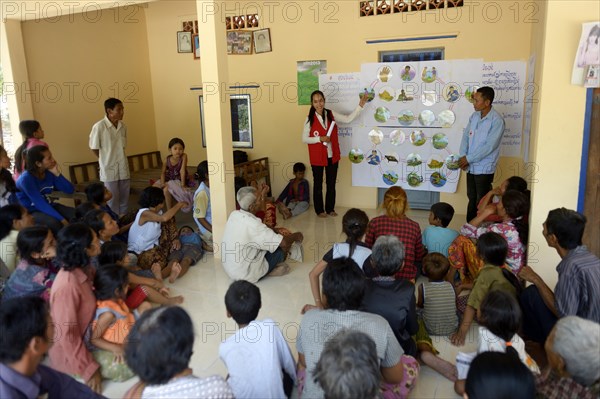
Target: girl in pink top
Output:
[(32, 133)]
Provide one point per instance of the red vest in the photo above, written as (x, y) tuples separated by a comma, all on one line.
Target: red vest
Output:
[(318, 152)]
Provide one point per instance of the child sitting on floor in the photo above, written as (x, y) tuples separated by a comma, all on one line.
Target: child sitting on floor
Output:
[(112, 321), (35, 272), (153, 234), (143, 283), (499, 319), (438, 237), (258, 359), (99, 195), (294, 198), (437, 297), (354, 225), (191, 248), (492, 249)]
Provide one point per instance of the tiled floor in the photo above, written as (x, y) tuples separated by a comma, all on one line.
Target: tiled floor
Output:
[(205, 285)]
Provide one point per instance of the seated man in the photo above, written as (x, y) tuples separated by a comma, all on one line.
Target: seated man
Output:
[(576, 292), (343, 290), (27, 332), (250, 250)]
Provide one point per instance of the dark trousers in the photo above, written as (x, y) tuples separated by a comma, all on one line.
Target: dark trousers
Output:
[(477, 187), (330, 179), (538, 320), (54, 224)]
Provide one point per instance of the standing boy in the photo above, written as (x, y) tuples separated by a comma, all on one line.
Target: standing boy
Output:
[(293, 200), (108, 140), (257, 356)]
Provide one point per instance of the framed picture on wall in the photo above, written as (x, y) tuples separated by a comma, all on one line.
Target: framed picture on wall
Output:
[(262, 41), (196, 46), (239, 42), (241, 121), (184, 42)]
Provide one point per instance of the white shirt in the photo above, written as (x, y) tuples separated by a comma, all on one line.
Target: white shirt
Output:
[(111, 142), (246, 241), (143, 238), (256, 357)]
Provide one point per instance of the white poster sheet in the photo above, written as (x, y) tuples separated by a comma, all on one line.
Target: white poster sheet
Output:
[(587, 60), (410, 132), (341, 92), (508, 78)]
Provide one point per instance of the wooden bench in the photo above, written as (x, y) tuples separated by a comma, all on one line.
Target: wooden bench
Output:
[(147, 166)]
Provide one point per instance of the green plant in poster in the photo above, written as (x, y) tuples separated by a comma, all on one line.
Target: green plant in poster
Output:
[(308, 79)]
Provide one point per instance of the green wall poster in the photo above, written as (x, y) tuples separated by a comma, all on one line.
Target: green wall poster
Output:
[(308, 79)]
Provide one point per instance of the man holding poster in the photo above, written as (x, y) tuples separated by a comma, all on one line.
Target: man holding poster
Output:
[(480, 148)]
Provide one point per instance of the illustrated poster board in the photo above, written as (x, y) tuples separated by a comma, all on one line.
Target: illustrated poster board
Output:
[(508, 79), (409, 134), (341, 95)]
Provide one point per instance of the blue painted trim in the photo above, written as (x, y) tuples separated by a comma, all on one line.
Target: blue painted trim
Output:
[(585, 148), (412, 39), (233, 87)]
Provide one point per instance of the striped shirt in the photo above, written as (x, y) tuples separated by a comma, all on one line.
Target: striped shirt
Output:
[(576, 293), (439, 308)]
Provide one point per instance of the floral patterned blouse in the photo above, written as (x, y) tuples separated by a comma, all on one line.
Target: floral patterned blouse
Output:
[(516, 250)]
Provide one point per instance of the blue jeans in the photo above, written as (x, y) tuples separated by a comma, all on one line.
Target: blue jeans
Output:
[(274, 258)]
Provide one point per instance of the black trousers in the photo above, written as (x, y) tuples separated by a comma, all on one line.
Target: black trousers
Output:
[(330, 179), (538, 320), (477, 187)]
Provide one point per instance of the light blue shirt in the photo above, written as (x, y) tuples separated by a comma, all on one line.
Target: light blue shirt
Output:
[(481, 142), (438, 239), (208, 216)]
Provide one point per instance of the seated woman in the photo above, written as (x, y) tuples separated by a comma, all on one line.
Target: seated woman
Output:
[(395, 222), (13, 218), (250, 250), (494, 196), (572, 349), (41, 178), (160, 355), (513, 209)]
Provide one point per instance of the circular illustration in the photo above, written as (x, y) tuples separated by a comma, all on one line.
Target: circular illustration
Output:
[(429, 75), (414, 159), (384, 74), (452, 162), (446, 118), (376, 136), (469, 93), (402, 96), (386, 93), (406, 117), (408, 73), (356, 155), (392, 157), (374, 158), (382, 114), (429, 98), (426, 118), (397, 137), (439, 141), (414, 179), (437, 179), (435, 162), (390, 177), (451, 93), (417, 137), (369, 93)]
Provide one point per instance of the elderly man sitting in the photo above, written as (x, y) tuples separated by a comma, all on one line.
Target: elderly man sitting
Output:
[(250, 250), (572, 348)]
